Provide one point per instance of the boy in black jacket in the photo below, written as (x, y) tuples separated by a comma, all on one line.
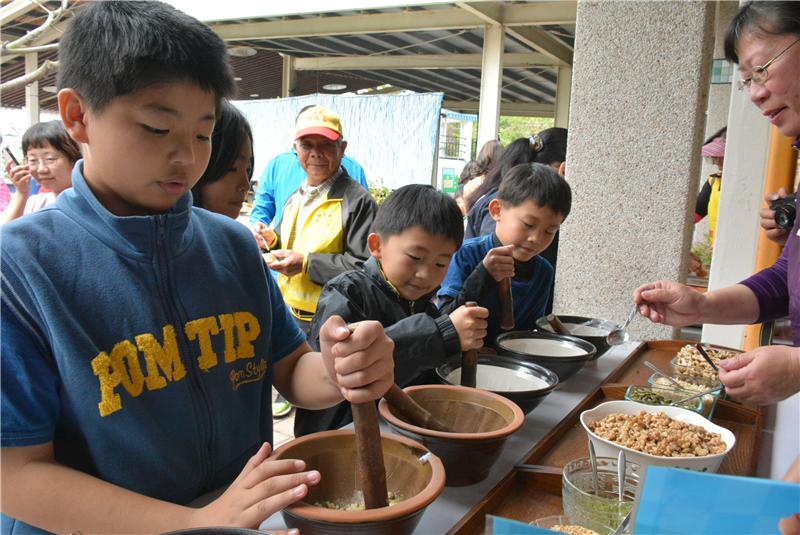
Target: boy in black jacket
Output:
[(416, 232)]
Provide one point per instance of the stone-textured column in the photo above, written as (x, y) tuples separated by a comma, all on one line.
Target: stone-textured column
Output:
[(637, 118)]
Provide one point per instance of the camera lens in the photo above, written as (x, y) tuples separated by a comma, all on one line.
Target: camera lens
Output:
[(784, 216)]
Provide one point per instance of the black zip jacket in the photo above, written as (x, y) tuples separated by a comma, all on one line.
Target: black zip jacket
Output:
[(424, 338)]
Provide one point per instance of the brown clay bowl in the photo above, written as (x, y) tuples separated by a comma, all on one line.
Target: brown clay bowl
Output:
[(411, 471), (480, 421)]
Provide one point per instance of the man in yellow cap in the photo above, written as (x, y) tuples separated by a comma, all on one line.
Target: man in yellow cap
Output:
[(324, 226)]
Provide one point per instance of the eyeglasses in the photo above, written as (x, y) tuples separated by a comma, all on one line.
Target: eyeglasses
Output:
[(45, 162), (760, 73)]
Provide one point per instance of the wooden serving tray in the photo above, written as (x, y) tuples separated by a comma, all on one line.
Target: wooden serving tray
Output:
[(526, 496)]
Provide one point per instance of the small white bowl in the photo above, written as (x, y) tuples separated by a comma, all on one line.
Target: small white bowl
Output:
[(607, 448)]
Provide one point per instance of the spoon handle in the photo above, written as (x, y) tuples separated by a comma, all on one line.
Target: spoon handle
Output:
[(621, 475), (705, 356), (593, 462)]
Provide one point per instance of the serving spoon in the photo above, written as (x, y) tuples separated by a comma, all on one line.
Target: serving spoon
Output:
[(620, 335)]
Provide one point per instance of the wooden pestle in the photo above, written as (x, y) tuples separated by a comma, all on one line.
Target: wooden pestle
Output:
[(506, 304), (555, 323), (469, 361), (412, 411), (369, 455)]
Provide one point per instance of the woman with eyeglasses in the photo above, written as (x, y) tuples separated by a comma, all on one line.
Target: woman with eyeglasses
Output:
[(764, 40), (50, 155)]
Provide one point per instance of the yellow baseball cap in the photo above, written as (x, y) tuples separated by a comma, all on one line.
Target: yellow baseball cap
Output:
[(318, 120)]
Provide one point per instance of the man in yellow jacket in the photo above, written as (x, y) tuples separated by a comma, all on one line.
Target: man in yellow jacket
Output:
[(324, 226)]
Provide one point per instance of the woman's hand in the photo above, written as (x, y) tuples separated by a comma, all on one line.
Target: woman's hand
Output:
[(763, 376), (263, 487), (21, 178), (670, 303), (767, 219)]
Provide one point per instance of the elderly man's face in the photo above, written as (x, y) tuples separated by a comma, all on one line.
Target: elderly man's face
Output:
[(319, 156)]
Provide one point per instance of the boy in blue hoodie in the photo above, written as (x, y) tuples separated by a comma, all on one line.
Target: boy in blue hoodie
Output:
[(141, 337), (530, 206)]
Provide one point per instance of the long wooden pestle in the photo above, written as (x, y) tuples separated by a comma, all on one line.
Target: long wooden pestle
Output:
[(412, 411), (369, 455), (469, 361), (506, 304), (555, 323)]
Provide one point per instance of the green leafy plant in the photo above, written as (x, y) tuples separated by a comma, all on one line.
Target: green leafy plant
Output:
[(379, 193), (702, 250)]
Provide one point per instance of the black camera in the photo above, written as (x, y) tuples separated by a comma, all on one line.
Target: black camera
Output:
[(785, 211)]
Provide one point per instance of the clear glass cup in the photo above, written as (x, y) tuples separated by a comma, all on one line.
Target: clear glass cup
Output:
[(598, 509)]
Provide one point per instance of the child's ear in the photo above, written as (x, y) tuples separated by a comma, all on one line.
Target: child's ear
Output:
[(374, 245), (562, 169), (73, 114), (495, 207)]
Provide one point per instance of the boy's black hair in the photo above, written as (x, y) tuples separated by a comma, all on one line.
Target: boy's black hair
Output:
[(769, 18), (539, 183), (417, 205), (231, 132), (54, 134), (112, 49)]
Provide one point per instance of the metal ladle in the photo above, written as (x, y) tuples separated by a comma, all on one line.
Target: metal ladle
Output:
[(620, 335)]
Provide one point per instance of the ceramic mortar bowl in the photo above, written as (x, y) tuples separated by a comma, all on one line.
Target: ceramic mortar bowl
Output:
[(593, 330), (565, 355), (480, 422), (524, 383), (413, 475)]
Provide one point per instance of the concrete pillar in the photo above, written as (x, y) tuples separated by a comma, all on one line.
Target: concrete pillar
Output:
[(32, 89), (563, 94), (639, 89), (288, 76), (491, 80)]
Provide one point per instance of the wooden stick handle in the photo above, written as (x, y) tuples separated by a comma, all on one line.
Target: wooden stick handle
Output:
[(412, 411), (556, 324), (469, 361), (506, 305), (370, 455)]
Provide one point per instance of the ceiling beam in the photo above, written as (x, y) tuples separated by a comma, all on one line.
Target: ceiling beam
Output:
[(15, 9), (532, 109), (408, 21), (51, 34), (418, 61), (544, 42)]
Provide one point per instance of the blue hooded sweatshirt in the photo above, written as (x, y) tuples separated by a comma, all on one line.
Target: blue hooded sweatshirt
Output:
[(141, 347)]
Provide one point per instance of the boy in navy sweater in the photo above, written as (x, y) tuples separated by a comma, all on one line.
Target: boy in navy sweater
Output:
[(414, 235), (140, 336), (531, 204)]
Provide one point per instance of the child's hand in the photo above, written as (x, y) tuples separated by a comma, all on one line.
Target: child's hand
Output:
[(499, 262), (470, 324), (20, 176), (264, 235), (287, 262), (263, 487), (361, 362)]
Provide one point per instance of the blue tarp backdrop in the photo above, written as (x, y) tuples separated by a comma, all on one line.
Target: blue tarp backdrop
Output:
[(394, 137)]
